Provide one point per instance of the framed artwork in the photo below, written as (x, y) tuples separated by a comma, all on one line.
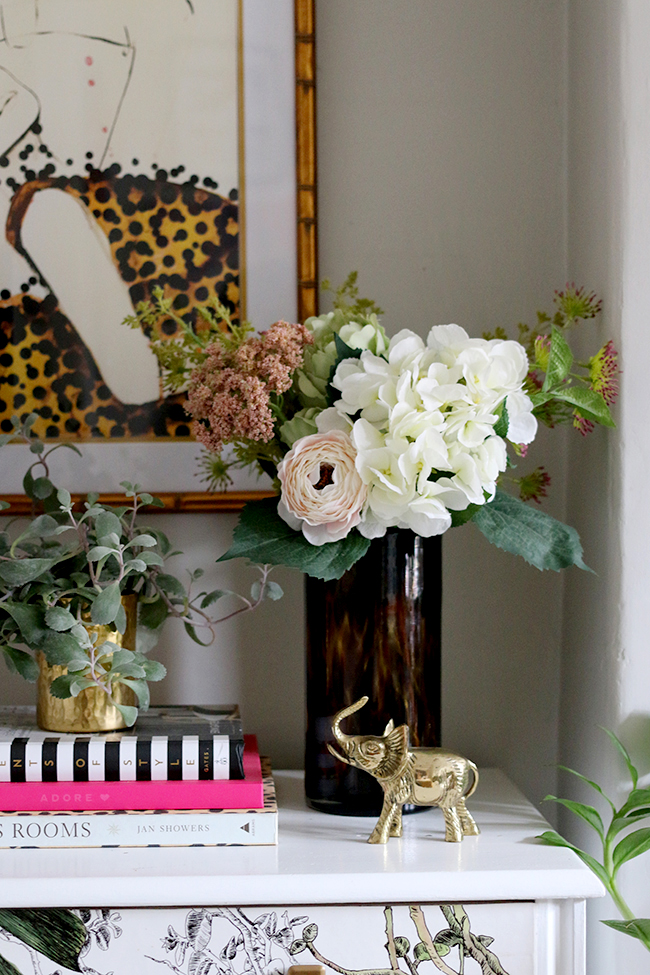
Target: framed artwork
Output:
[(166, 144)]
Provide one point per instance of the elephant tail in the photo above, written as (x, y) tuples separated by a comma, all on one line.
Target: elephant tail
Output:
[(472, 788)]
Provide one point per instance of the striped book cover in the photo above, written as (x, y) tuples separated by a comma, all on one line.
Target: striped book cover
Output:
[(166, 743)]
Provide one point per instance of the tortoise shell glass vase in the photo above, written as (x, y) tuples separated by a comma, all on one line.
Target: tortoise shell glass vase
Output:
[(375, 631)]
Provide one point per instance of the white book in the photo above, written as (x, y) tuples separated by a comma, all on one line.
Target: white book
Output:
[(162, 827)]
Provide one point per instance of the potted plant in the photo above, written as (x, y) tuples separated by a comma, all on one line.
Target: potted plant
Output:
[(84, 592)]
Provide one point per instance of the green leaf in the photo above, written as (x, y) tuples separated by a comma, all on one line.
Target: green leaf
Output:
[(594, 785), (153, 615), (60, 648), (42, 488), (63, 497), (421, 952), (99, 552), (501, 426), (61, 686), (140, 689), (80, 684), (263, 537), (151, 558), (560, 360), (58, 618), (540, 539), (78, 665), (40, 527), (634, 774), (57, 933), (154, 670), (588, 813), (638, 927), (402, 947), (106, 605), (120, 620), (590, 403), (551, 838), (107, 523), (21, 662), (462, 517), (28, 485), (20, 571), (631, 846), (30, 620), (191, 632), (211, 597), (273, 591), (128, 713), (118, 658), (135, 565), (171, 585), (145, 541)]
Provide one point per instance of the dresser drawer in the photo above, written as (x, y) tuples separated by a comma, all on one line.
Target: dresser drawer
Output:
[(474, 938)]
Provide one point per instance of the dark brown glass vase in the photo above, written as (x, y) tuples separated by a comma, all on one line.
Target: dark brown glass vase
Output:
[(375, 631)]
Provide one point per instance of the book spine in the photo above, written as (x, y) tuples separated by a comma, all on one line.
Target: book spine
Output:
[(138, 829), (89, 759), (37, 796)]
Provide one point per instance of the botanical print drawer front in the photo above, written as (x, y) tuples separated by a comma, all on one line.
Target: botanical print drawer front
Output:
[(474, 939)]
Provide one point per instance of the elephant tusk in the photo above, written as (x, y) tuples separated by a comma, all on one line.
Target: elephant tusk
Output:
[(334, 752)]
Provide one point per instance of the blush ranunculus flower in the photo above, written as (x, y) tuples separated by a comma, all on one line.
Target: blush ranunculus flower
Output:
[(322, 492)]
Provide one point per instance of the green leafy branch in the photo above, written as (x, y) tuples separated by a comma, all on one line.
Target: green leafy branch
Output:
[(615, 851)]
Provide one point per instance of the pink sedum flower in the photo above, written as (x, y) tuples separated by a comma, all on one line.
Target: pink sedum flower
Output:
[(322, 492)]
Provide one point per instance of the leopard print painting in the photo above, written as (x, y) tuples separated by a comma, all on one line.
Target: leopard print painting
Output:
[(180, 237)]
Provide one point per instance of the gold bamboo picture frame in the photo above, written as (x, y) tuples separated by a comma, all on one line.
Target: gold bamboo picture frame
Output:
[(303, 186)]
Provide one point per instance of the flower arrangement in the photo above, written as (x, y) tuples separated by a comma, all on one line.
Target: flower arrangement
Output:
[(362, 433)]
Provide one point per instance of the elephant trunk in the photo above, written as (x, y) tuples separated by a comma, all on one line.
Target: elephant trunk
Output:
[(345, 713)]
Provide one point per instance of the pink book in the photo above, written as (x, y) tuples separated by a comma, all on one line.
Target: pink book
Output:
[(246, 793)]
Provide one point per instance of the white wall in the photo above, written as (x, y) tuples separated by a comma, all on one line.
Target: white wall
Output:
[(606, 671), (442, 180)]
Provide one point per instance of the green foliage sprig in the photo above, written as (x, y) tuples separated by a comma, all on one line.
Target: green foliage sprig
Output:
[(615, 850), (563, 389)]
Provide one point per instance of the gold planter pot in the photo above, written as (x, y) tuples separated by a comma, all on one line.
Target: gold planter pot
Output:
[(91, 710)]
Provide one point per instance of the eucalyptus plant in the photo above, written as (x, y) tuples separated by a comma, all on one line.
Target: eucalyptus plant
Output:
[(67, 571), (616, 850)]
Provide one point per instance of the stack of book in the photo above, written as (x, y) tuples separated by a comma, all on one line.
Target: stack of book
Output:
[(183, 776)]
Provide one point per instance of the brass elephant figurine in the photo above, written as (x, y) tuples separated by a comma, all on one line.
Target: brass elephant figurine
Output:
[(423, 776)]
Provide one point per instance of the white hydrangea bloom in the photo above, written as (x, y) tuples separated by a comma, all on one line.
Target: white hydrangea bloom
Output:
[(424, 418)]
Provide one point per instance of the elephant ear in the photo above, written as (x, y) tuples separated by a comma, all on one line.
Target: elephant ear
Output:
[(397, 747)]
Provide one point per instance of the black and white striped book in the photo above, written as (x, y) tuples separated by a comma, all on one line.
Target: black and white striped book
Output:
[(166, 743)]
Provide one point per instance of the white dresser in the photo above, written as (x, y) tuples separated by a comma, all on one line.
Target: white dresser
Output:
[(499, 902)]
